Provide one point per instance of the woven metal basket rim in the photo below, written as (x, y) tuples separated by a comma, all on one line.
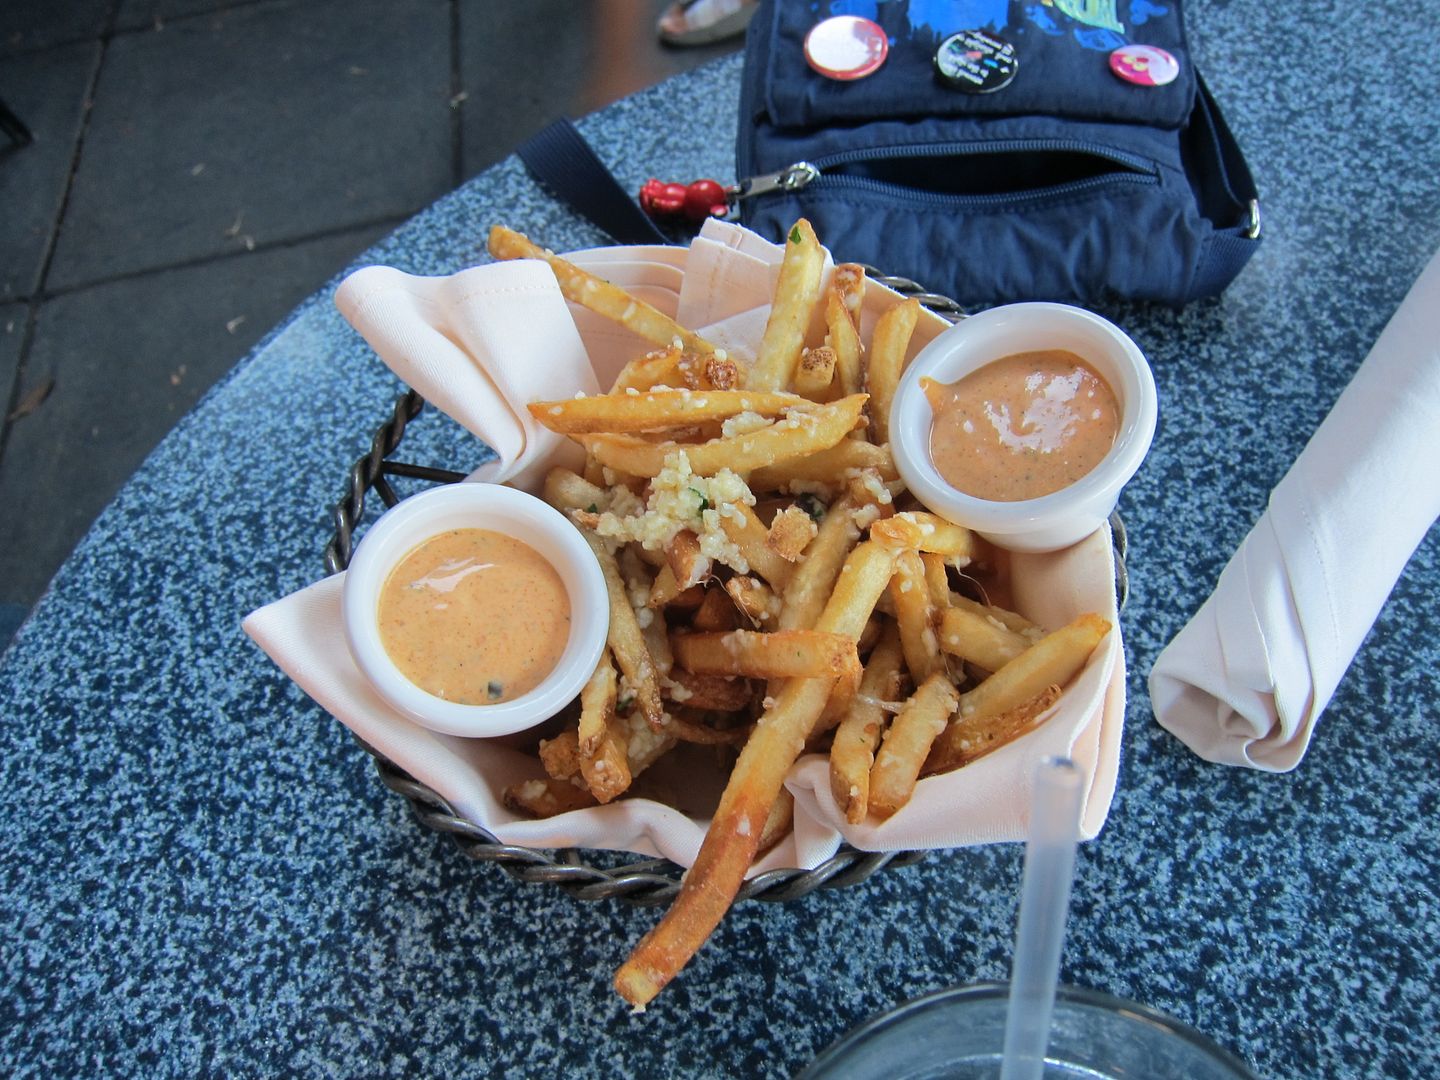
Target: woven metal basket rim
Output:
[(648, 881)]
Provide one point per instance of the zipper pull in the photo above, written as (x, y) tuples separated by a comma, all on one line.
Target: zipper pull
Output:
[(791, 178)]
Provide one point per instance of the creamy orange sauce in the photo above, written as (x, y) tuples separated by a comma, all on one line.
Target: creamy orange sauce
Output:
[(474, 616), (1023, 426)]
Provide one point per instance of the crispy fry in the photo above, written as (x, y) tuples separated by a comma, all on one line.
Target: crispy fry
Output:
[(659, 368), (601, 741), (665, 588), (937, 581), (981, 639), (749, 797), (815, 373), (866, 487), (598, 295), (925, 532), (977, 738), (626, 641), (657, 410), (564, 490), (914, 614), (1054, 660), (596, 703), (802, 432), (842, 324), (545, 798), (754, 599), (778, 824), (716, 612), (1011, 620), (796, 293), (752, 538), (853, 751), (710, 693), (804, 597), (847, 284), (907, 743), (791, 531), (561, 755), (643, 744), (887, 361), (656, 633), (826, 466), (686, 562), (781, 655)]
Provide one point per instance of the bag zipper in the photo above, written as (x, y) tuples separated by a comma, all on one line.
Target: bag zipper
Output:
[(802, 174)]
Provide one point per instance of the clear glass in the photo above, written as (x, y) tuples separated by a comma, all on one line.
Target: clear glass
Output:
[(959, 1034)]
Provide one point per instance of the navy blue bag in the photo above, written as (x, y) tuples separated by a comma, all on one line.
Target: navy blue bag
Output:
[(1068, 183)]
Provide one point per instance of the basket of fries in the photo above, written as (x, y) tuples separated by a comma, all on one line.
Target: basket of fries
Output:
[(808, 676)]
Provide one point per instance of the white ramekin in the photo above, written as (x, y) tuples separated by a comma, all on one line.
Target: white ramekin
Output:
[(1064, 517), (503, 510)]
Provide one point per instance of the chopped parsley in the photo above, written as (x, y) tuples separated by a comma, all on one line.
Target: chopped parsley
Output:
[(592, 509), (795, 236), (494, 690), (704, 502)]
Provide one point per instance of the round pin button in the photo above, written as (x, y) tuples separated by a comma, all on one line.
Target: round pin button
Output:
[(846, 47), (1144, 65), (976, 62)]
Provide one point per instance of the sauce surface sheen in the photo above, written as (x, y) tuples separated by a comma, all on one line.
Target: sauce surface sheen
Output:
[(1022, 426), (474, 616)]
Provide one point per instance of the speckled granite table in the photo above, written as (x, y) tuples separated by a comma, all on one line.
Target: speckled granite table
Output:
[(202, 877)]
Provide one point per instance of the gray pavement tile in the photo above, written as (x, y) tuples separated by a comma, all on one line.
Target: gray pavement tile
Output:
[(265, 123), (526, 62), (128, 359), (47, 92), (26, 25), (135, 14), (12, 330)]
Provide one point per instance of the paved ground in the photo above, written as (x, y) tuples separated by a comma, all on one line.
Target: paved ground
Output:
[(199, 167)]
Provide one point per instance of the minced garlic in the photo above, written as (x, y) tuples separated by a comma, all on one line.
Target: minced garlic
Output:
[(678, 500)]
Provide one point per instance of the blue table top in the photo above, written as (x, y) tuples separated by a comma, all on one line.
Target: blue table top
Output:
[(202, 875)]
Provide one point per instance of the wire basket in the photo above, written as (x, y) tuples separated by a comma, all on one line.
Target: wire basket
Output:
[(590, 875)]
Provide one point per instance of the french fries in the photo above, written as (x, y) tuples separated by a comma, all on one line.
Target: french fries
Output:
[(796, 293), (1052, 661), (887, 362), (657, 410), (750, 795), (908, 742), (772, 587), (842, 323), (801, 433), (597, 294), (600, 739), (785, 654), (853, 752)]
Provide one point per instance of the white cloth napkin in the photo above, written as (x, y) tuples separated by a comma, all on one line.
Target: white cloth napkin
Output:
[(1246, 679), (464, 343)]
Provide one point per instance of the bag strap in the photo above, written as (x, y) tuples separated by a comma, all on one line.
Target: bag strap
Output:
[(1224, 174), (561, 161)]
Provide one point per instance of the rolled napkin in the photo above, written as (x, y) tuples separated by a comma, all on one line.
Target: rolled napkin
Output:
[(1244, 682), (460, 360)]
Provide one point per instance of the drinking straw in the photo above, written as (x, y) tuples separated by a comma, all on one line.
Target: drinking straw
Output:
[(1044, 905)]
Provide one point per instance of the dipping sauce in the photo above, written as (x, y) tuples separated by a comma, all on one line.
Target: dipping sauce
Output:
[(1023, 426), (474, 616)]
